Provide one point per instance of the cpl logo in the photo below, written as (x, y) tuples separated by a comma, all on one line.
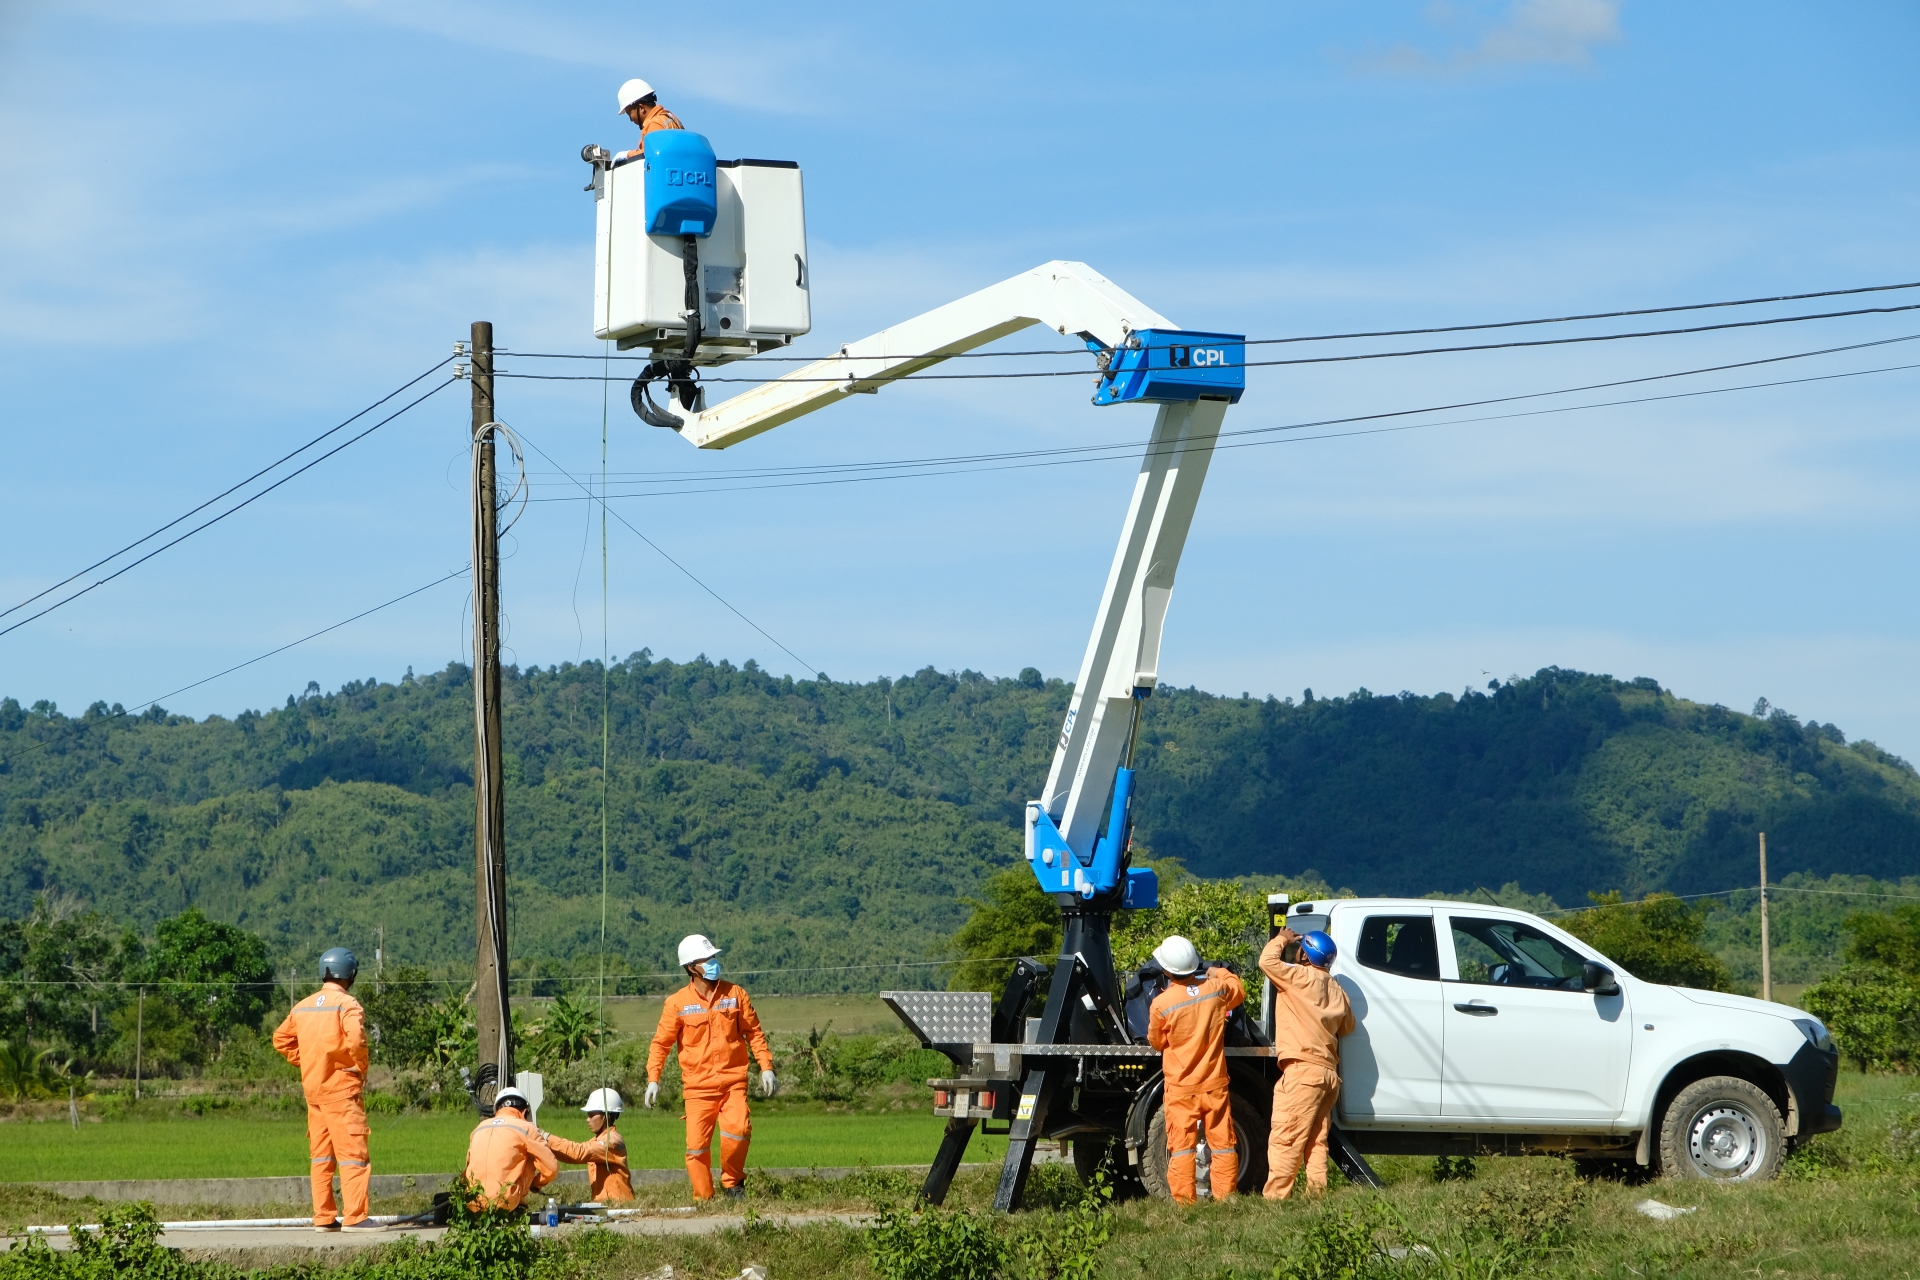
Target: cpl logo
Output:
[(689, 178), (1197, 357)]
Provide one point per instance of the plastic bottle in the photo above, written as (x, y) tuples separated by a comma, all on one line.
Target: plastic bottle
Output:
[(553, 1212)]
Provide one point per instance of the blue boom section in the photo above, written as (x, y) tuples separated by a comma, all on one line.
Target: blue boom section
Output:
[(681, 173), (1168, 366), (1061, 870)]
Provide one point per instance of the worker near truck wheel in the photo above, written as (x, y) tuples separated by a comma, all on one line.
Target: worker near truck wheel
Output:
[(605, 1154), (507, 1156), (640, 104), (1187, 1023), (1310, 1014), (713, 1023), (325, 1036)]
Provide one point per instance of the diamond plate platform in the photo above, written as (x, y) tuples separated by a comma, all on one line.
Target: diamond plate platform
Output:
[(942, 1018)]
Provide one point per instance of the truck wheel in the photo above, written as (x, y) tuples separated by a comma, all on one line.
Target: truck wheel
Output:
[(1249, 1138), (1722, 1129)]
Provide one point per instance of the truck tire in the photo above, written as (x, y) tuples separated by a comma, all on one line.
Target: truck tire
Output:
[(1722, 1129), (1249, 1138)]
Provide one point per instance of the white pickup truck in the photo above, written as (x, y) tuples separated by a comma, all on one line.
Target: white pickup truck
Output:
[(1482, 1029)]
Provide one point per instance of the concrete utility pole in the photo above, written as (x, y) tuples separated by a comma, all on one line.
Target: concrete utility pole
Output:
[(493, 1019), (1766, 938)]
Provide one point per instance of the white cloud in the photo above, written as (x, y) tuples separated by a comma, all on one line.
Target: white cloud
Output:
[(1563, 32)]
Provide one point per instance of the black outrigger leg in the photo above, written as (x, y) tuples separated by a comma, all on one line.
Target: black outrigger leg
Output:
[(947, 1163), (1041, 1083)]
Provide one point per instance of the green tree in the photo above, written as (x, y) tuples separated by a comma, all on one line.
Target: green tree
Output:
[(215, 976), (1872, 1006), (1890, 939), (1226, 920), (402, 1017), (1657, 939), (569, 1030), (1015, 918), (58, 972)]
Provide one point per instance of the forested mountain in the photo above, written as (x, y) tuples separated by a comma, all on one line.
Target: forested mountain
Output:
[(817, 823)]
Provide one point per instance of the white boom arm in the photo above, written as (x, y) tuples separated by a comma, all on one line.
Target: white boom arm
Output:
[(1123, 654)]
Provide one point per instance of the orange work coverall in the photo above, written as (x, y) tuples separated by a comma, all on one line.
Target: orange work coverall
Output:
[(508, 1157), (1187, 1023), (654, 117), (713, 1032), (605, 1155), (325, 1036), (1310, 1014)]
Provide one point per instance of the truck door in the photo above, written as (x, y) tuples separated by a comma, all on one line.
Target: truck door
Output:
[(1524, 1043), (1389, 963)]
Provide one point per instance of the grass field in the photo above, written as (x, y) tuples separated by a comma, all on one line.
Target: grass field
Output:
[(222, 1147)]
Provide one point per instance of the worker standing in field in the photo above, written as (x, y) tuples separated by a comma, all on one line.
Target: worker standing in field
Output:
[(325, 1036), (640, 104), (507, 1155), (605, 1154), (713, 1023), (1310, 1014), (1187, 1023)]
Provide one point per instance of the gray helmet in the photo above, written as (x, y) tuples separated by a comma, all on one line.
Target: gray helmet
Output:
[(338, 965)]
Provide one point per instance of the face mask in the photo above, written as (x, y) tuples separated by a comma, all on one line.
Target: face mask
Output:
[(710, 970)]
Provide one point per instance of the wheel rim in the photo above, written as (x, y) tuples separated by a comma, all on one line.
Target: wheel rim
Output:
[(1726, 1142)]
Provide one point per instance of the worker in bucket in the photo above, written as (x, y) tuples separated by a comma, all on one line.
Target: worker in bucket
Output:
[(640, 104), (1187, 1023), (325, 1036), (508, 1156), (713, 1023), (1310, 1014), (605, 1154)]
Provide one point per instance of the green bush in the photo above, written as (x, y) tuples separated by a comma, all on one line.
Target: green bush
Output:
[(1657, 939), (1873, 1014), (936, 1244), (1337, 1246)]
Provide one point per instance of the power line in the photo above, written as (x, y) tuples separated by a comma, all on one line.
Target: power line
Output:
[(592, 497), (230, 510), (1328, 337), (216, 497)]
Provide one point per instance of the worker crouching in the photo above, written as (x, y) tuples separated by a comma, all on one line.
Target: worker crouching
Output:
[(507, 1156), (1310, 1014), (1187, 1023), (325, 1036), (605, 1154), (713, 1024)]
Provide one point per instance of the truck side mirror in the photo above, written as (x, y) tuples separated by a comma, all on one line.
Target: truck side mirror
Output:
[(1597, 978)]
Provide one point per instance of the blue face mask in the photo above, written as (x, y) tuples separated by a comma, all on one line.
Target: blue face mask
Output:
[(710, 970)]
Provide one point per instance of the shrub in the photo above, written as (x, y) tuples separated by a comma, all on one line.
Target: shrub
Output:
[(1337, 1246), (1873, 1014), (936, 1244)]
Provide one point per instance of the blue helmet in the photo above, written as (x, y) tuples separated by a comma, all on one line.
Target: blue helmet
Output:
[(337, 964), (1318, 948)]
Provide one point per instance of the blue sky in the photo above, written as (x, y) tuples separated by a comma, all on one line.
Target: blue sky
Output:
[(226, 226)]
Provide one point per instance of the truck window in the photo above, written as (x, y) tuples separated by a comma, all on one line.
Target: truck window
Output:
[(1400, 944), (1506, 953)]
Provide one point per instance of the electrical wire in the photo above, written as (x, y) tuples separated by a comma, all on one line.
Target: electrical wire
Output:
[(1331, 337), (216, 497), (239, 506)]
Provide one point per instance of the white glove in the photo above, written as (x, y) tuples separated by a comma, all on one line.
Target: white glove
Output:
[(653, 1093), (768, 1084)]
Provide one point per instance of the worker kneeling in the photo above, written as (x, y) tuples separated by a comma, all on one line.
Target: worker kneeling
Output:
[(507, 1156), (325, 1036), (1310, 1014), (713, 1023), (605, 1154), (1187, 1023)]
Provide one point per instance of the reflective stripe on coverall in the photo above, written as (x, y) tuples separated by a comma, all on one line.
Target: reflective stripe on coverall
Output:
[(325, 1036), (605, 1155), (651, 118), (1310, 1014), (508, 1157), (1188, 1024), (713, 1034)]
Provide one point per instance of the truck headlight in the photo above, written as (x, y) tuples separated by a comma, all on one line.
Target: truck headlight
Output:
[(1815, 1033)]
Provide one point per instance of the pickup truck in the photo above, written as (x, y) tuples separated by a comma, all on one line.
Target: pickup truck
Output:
[(1479, 1030)]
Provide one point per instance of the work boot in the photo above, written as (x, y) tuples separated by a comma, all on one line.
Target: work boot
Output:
[(365, 1224), (734, 1193), (327, 1226)]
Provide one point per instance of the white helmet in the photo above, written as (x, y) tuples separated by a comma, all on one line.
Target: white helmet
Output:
[(510, 1096), (632, 91), (607, 1100), (696, 947), (1177, 956)]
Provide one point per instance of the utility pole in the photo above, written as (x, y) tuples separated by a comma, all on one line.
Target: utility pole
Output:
[(139, 1039), (493, 1016), (379, 955), (1766, 938)]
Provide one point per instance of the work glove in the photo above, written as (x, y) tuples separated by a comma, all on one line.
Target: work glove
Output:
[(768, 1084), (653, 1093)]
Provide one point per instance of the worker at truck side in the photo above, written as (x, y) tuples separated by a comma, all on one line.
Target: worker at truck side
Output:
[(713, 1023), (325, 1036), (1310, 1014), (507, 1156), (640, 104), (1187, 1023), (604, 1154)]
